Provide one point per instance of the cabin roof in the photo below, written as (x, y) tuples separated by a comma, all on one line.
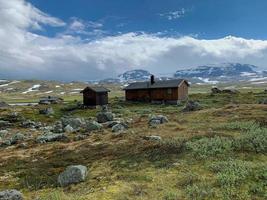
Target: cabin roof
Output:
[(158, 84), (97, 89)]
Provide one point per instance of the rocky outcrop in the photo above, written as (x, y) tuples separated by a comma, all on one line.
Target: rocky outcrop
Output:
[(72, 175)]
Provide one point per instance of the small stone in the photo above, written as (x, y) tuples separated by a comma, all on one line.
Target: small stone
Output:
[(51, 137), (47, 111), (93, 126), (72, 175), (153, 138)]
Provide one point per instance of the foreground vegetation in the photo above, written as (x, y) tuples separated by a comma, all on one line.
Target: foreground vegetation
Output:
[(218, 152)]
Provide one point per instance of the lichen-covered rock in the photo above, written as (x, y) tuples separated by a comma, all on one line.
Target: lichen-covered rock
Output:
[(103, 117), (192, 106), (93, 126), (58, 127), (156, 120), (51, 137), (75, 123), (119, 128), (68, 129), (17, 138), (72, 175), (11, 195)]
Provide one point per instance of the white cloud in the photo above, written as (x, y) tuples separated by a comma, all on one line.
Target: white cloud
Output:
[(173, 14), (24, 54)]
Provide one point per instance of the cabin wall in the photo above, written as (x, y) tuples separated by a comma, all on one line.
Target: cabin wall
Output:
[(183, 91), (101, 98), (167, 94), (137, 95), (89, 98)]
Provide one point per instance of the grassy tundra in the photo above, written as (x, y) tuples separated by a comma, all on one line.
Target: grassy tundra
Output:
[(218, 152)]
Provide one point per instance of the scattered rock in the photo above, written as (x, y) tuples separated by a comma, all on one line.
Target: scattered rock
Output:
[(93, 126), (192, 106), (30, 124), (103, 117), (72, 175), (17, 138), (51, 137), (47, 111), (118, 128), (11, 195), (75, 123), (153, 138), (58, 127), (156, 120), (69, 129)]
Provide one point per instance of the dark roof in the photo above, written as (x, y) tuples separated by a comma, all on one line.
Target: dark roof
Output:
[(158, 84), (97, 89)]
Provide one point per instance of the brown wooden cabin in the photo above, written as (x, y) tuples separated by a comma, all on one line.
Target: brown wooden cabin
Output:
[(165, 91), (93, 96)]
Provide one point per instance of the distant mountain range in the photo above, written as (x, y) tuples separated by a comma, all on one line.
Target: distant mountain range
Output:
[(226, 72)]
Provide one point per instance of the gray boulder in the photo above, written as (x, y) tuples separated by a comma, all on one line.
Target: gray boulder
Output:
[(47, 111), (51, 137), (156, 120), (29, 124), (11, 195), (93, 126), (75, 123), (118, 128), (17, 138), (192, 106), (58, 127), (68, 129), (72, 175), (103, 117)]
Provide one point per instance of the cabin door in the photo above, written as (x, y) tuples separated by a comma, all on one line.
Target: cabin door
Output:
[(101, 99)]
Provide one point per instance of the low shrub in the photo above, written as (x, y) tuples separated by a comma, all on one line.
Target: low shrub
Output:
[(199, 191), (254, 140), (206, 147), (244, 126)]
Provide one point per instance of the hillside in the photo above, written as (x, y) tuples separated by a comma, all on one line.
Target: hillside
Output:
[(217, 152)]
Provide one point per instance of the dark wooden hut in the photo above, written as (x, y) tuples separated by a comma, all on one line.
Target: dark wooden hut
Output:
[(156, 91), (93, 96)]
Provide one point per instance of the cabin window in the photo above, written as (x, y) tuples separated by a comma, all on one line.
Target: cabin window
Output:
[(169, 91)]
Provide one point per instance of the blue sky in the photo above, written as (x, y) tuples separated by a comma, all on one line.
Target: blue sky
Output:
[(203, 18), (96, 39)]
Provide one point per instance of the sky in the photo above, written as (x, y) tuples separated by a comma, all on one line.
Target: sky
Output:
[(90, 40)]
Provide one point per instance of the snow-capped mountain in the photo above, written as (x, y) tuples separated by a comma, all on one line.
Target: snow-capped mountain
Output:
[(220, 70), (134, 75)]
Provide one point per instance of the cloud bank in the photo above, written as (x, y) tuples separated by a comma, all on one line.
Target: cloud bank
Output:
[(67, 56)]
